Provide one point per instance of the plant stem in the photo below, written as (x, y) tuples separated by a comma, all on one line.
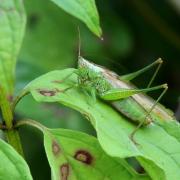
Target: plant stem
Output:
[(17, 99), (14, 140), (31, 123), (12, 135), (6, 109)]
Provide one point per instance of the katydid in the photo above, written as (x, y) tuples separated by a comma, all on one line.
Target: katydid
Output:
[(122, 94), (119, 92)]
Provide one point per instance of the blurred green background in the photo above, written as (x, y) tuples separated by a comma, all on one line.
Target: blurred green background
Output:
[(135, 34)]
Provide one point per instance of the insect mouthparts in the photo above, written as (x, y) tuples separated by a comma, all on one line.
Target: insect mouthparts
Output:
[(159, 60)]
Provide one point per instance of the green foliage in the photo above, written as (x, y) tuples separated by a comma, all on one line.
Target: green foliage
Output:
[(38, 49), (84, 10), (157, 148), (76, 155), (12, 165), (12, 25), (71, 154)]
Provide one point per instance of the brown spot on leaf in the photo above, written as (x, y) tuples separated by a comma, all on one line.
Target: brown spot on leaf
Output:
[(45, 92), (64, 170), (55, 148), (84, 156), (57, 81)]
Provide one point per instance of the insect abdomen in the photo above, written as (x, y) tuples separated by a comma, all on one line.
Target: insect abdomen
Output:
[(132, 110)]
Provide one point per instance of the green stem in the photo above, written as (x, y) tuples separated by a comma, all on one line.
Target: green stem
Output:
[(6, 109), (12, 135), (18, 98), (14, 140), (31, 123)]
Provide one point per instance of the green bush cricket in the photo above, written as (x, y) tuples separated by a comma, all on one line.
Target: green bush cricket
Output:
[(122, 94), (119, 92)]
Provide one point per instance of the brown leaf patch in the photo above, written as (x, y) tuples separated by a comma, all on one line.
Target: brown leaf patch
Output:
[(55, 148), (83, 156), (64, 170)]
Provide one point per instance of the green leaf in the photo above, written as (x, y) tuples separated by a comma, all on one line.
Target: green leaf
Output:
[(75, 155), (12, 25), (158, 149), (172, 128), (12, 165), (59, 48), (84, 10)]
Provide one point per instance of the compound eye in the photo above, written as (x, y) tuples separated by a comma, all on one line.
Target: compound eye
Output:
[(97, 84)]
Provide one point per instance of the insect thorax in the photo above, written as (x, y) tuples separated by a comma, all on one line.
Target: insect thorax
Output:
[(91, 79)]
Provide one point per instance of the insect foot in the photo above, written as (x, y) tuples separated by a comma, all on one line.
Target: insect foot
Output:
[(132, 139)]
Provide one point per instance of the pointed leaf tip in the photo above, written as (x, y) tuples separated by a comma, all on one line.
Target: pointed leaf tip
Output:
[(86, 11)]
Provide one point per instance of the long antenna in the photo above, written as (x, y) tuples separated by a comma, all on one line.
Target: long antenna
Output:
[(79, 42)]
